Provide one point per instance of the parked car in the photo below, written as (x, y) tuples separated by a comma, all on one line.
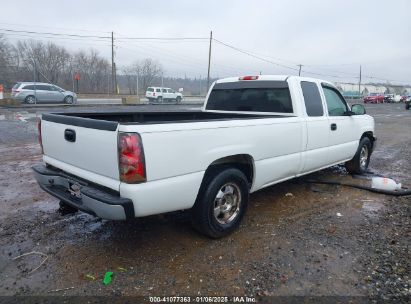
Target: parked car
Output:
[(397, 98), (388, 98), (253, 132), (32, 92), (374, 98), (408, 102), (158, 94)]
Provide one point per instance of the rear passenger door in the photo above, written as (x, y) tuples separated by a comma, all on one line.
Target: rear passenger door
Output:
[(317, 125), (342, 127)]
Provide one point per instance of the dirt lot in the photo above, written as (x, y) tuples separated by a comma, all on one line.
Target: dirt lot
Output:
[(291, 243)]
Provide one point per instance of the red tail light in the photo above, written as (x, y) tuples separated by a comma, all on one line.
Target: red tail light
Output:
[(154, 93), (39, 135), (131, 158), (248, 78)]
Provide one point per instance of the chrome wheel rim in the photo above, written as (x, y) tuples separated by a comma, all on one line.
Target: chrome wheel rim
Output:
[(227, 203), (363, 157), (30, 99), (69, 99)]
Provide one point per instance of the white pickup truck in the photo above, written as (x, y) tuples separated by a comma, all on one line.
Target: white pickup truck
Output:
[(253, 132)]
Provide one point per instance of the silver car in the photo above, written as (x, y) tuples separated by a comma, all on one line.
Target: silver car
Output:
[(32, 92)]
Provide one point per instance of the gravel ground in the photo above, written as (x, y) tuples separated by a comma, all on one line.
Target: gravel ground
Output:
[(297, 239)]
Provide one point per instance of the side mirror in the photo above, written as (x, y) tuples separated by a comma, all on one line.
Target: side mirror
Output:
[(358, 109)]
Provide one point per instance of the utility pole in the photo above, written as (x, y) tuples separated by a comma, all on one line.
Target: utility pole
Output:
[(137, 85), (209, 61), (113, 66), (359, 85), (35, 80), (299, 70)]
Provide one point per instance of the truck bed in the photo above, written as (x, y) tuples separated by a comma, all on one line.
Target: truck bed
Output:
[(108, 121)]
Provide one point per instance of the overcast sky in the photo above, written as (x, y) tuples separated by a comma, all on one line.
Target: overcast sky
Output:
[(328, 37)]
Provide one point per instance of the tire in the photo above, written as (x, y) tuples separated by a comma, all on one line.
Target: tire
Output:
[(30, 99), (361, 159), (407, 106), (159, 99), (68, 99), (221, 203), (178, 99)]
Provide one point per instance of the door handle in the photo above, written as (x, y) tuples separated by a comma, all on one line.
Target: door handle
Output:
[(70, 135), (333, 126)]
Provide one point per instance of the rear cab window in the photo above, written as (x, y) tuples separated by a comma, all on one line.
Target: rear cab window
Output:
[(150, 89), (158, 90), (16, 86), (251, 96)]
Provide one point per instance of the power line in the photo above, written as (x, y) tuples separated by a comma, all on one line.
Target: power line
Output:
[(57, 38), (101, 37), (162, 38), (57, 28), (55, 34), (253, 55)]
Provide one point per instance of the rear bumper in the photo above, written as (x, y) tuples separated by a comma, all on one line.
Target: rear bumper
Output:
[(98, 201)]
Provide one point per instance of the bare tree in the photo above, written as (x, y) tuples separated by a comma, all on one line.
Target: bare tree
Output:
[(8, 62), (130, 73), (93, 70), (148, 70), (49, 59)]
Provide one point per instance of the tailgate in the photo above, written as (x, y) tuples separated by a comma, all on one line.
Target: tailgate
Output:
[(82, 143)]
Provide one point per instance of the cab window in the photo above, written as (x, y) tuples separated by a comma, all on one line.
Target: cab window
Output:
[(312, 98), (335, 102)]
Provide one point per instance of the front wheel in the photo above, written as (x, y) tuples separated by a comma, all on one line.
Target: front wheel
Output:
[(178, 99), (221, 203), (160, 99), (407, 106), (68, 99), (361, 159)]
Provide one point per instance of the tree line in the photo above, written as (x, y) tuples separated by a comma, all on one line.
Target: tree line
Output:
[(32, 60)]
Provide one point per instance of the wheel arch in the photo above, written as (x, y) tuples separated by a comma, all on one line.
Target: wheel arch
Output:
[(371, 137), (242, 162)]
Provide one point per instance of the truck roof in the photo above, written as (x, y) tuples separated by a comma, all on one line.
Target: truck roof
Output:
[(271, 77)]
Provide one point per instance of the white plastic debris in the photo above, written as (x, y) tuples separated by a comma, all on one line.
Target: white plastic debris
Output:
[(385, 183), (289, 194), (339, 214)]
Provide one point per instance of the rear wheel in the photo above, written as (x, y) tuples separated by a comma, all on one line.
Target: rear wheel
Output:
[(178, 99), (407, 106), (221, 203), (30, 99), (361, 159), (159, 99)]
